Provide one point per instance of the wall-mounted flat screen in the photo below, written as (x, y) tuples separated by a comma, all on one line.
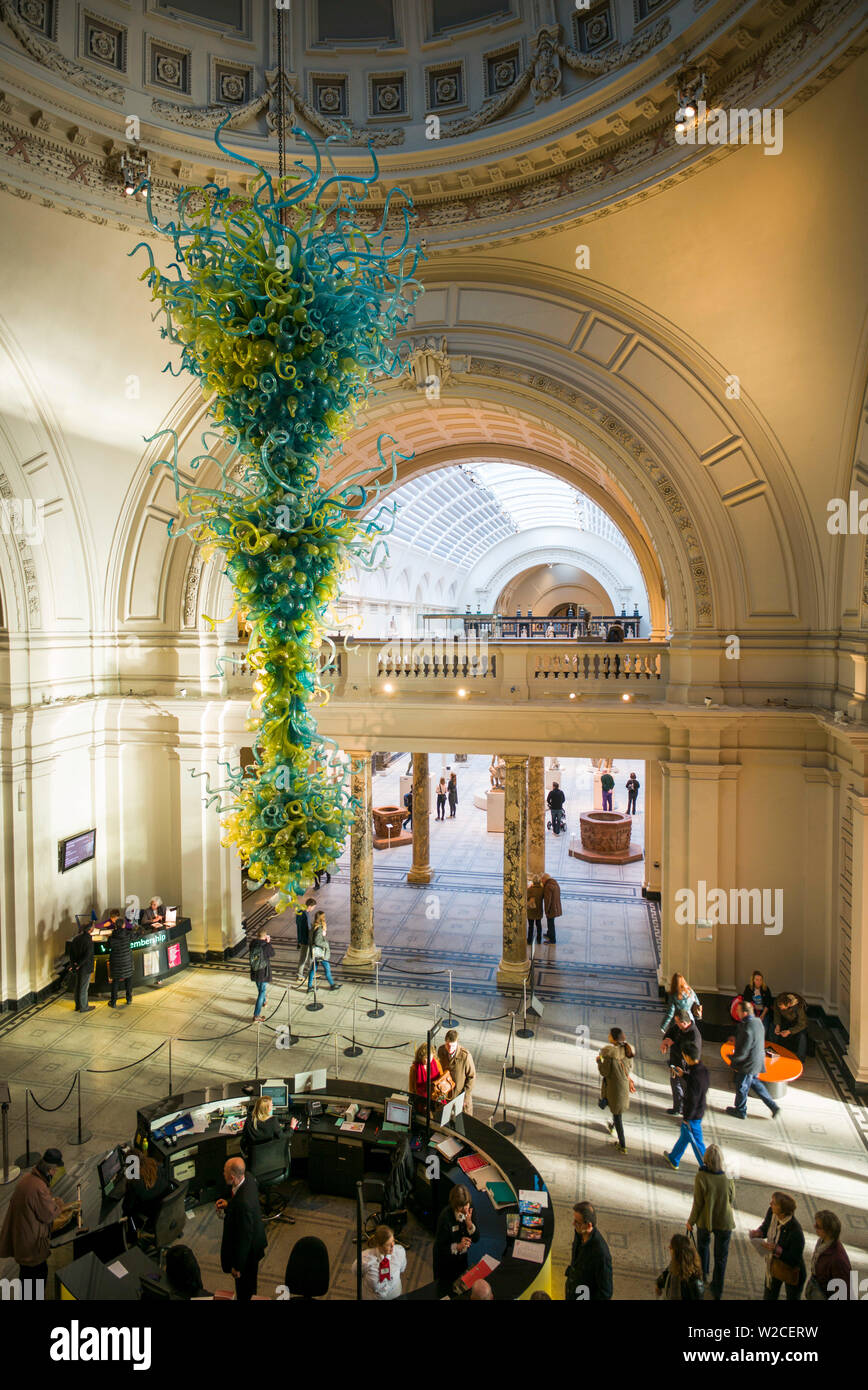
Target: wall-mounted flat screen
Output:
[(77, 849)]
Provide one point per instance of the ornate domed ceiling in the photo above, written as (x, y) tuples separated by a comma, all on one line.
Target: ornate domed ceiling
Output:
[(500, 117)]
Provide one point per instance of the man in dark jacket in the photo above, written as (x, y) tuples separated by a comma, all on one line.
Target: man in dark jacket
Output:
[(633, 785), (680, 1033), (551, 901), (555, 802), (607, 786), (695, 1074), (80, 952), (748, 1060), (589, 1273), (244, 1241), (120, 959)]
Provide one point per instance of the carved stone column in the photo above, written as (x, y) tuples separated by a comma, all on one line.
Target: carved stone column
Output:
[(361, 953), (513, 967), (536, 816), (421, 872)]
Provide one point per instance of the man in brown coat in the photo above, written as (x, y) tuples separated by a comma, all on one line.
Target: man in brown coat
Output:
[(458, 1062), (551, 902), (26, 1234)]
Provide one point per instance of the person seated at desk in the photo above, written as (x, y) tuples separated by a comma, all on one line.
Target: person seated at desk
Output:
[(383, 1263), (183, 1273), (453, 1238), (260, 1127), (791, 1024), (153, 914), (111, 920), (144, 1194)]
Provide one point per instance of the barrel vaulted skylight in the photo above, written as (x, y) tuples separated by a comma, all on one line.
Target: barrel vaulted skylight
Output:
[(460, 513)]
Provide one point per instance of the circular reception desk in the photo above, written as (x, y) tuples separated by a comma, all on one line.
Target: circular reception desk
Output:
[(195, 1133)]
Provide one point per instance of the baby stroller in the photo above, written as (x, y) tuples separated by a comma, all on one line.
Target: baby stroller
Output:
[(558, 822)]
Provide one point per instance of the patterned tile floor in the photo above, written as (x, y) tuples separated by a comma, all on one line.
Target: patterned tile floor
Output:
[(602, 972)]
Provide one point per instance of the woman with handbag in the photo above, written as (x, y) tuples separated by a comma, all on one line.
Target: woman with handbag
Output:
[(321, 952), (425, 1064), (829, 1261), (784, 1242), (615, 1063), (682, 1001), (681, 1279)]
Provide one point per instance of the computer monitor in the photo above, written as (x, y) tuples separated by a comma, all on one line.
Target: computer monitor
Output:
[(106, 1242), (398, 1111), (171, 916), (110, 1169), (278, 1091), (452, 1108), (305, 1081)]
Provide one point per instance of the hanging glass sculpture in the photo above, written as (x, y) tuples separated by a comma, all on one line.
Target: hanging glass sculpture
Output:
[(286, 311)]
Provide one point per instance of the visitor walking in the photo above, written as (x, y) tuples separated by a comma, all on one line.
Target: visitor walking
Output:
[(408, 807), (441, 799), (683, 1030), (551, 901), (748, 1060), (302, 924), (783, 1241), (696, 1082), (682, 1000), (711, 1216), (681, 1279), (615, 1064), (589, 1273), (321, 952), (555, 802), (829, 1261), (261, 953), (633, 785), (607, 784)]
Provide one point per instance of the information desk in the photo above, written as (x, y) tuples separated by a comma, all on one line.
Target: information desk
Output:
[(195, 1133), (156, 955)]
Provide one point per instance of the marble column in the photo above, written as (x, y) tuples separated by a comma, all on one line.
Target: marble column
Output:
[(536, 816), (513, 967), (421, 872), (361, 953), (652, 881)]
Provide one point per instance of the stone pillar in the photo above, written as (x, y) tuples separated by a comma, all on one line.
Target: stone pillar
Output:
[(653, 812), (361, 952), (536, 816), (856, 1056), (421, 872), (513, 967)]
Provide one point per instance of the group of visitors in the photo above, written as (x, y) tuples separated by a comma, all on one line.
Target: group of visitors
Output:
[(451, 1073), (447, 793), (607, 786), (543, 899), (312, 940)]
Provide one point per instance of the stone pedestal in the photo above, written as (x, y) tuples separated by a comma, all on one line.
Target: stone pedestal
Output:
[(421, 872), (494, 810), (361, 953), (606, 839), (513, 967), (388, 832)]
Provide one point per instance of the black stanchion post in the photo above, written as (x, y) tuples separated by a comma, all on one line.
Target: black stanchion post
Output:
[(292, 1038), (28, 1158), (504, 1126), (376, 1011), (450, 1021), (171, 1092), (353, 1051), (81, 1136), (10, 1171), (258, 1036), (315, 1005), (513, 1072), (524, 1031)]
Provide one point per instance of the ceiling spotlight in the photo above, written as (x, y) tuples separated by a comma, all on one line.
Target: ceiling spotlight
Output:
[(135, 167), (572, 694), (183, 691), (388, 689), (707, 701), (626, 697), (462, 693), (690, 111), (690, 84)]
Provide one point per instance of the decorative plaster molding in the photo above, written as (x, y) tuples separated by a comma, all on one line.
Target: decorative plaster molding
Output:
[(191, 589), (605, 421), (49, 57), (28, 569)]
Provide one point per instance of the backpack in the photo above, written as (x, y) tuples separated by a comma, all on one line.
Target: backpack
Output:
[(258, 958)]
